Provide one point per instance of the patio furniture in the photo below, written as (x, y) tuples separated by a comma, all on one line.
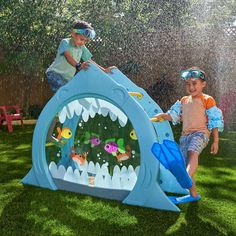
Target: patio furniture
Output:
[(8, 114)]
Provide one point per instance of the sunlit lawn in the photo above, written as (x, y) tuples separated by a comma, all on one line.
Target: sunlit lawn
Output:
[(28, 210)]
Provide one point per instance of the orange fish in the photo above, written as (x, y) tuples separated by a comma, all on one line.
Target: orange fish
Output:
[(124, 156), (65, 133), (81, 158)]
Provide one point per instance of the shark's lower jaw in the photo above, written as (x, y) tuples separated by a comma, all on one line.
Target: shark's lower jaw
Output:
[(89, 107), (97, 176)]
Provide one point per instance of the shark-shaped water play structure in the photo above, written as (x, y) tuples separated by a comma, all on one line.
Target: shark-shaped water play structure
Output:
[(95, 137)]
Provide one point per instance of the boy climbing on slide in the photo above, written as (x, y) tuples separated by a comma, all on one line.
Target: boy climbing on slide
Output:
[(72, 56), (200, 118)]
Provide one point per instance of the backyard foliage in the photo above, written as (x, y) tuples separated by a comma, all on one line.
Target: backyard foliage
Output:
[(31, 30)]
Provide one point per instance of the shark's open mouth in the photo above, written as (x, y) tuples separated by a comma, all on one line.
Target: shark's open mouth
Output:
[(89, 107), (111, 158)]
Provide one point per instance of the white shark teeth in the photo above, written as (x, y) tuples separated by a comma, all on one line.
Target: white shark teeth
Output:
[(91, 167), (122, 120), (89, 107), (69, 175), (78, 108), (113, 116), (99, 181), (73, 107), (84, 178), (97, 167), (85, 115), (116, 170), (92, 113), (77, 176), (70, 111), (123, 170), (61, 172), (62, 115), (122, 178), (132, 179), (53, 169), (107, 181), (130, 169)]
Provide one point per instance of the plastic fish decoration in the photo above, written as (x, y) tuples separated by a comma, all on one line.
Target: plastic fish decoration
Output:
[(64, 133), (113, 147), (133, 135), (78, 157), (124, 156), (93, 139)]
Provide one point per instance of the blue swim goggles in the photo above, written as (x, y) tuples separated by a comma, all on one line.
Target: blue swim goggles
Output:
[(87, 32), (196, 74)]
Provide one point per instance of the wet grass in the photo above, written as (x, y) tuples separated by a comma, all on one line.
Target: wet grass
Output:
[(28, 210)]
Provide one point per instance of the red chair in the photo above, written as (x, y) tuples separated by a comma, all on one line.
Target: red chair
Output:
[(8, 114)]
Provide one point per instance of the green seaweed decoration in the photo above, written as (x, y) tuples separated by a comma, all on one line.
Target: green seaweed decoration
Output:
[(106, 131)]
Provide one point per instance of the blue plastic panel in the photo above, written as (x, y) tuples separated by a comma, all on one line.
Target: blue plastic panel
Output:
[(169, 155)]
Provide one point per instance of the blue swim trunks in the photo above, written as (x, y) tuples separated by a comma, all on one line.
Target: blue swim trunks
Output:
[(55, 80), (195, 142)]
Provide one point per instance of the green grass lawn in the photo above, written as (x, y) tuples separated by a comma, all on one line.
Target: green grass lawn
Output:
[(28, 210)]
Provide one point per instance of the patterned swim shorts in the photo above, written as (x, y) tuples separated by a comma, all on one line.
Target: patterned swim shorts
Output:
[(55, 80), (195, 142)]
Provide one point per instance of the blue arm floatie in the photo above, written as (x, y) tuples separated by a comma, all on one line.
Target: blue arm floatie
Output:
[(215, 118), (175, 112)]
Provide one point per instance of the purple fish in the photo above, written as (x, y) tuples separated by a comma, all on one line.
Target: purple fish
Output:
[(111, 147), (95, 141)]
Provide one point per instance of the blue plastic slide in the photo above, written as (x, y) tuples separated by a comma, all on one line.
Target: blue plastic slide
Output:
[(170, 157)]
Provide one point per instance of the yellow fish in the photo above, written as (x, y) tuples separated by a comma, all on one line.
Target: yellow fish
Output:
[(65, 133), (133, 135)]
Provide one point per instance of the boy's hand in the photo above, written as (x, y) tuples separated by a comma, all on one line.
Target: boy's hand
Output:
[(161, 117), (214, 148), (109, 69), (84, 65)]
